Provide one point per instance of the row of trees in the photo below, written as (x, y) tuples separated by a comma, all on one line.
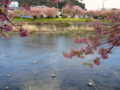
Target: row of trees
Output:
[(52, 12), (39, 11)]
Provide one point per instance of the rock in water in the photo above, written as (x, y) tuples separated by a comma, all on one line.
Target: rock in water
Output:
[(35, 74), (8, 75), (35, 62), (61, 70), (7, 87), (53, 75), (90, 84), (104, 74)]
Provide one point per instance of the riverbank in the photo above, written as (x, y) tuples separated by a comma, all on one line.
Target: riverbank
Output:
[(57, 27)]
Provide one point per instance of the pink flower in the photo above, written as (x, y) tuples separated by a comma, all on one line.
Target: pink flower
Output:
[(90, 66), (97, 61), (80, 40), (67, 55), (54, 1), (89, 24), (25, 6), (105, 56), (10, 16), (23, 32), (70, 4), (82, 57), (6, 28), (104, 53), (5, 36), (5, 2), (60, 0), (2, 17)]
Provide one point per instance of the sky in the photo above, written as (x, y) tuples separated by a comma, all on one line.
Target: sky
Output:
[(97, 4)]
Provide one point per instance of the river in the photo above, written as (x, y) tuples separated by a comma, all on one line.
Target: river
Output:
[(19, 72)]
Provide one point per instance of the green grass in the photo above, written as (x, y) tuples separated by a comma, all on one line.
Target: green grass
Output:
[(58, 19), (51, 19), (105, 21)]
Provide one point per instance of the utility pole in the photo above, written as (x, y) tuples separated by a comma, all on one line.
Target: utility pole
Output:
[(103, 5)]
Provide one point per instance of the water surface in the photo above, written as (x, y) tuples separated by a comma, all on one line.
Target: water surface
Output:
[(18, 54)]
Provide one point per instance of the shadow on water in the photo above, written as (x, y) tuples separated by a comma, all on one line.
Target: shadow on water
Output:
[(17, 56)]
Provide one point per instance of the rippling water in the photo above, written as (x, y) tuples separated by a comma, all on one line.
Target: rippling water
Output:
[(18, 54)]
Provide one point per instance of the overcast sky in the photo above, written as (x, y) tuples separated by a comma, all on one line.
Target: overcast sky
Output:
[(97, 4)]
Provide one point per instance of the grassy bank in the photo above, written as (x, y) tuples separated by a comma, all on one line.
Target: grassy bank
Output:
[(59, 19), (51, 19), (55, 25)]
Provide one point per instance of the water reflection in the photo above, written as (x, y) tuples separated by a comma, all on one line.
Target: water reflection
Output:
[(18, 54)]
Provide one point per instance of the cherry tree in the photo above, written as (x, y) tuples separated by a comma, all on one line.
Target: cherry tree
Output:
[(74, 10), (50, 12), (103, 35), (102, 13), (17, 13), (34, 11), (5, 15), (90, 13)]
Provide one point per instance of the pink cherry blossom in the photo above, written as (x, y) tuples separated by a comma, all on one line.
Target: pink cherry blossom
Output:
[(90, 66), (6, 28), (67, 55), (97, 61), (23, 32), (60, 0), (5, 2), (80, 40), (2, 18), (25, 6), (5, 36)]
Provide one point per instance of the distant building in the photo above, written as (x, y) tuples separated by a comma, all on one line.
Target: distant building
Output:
[(14, 5)]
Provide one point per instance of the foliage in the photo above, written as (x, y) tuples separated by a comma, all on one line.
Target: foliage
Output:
[(36, 12), (50, 12), (6, 16), (103, 35), (75, 10)]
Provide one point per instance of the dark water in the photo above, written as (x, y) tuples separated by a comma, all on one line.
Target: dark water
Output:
[(18, 54)]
